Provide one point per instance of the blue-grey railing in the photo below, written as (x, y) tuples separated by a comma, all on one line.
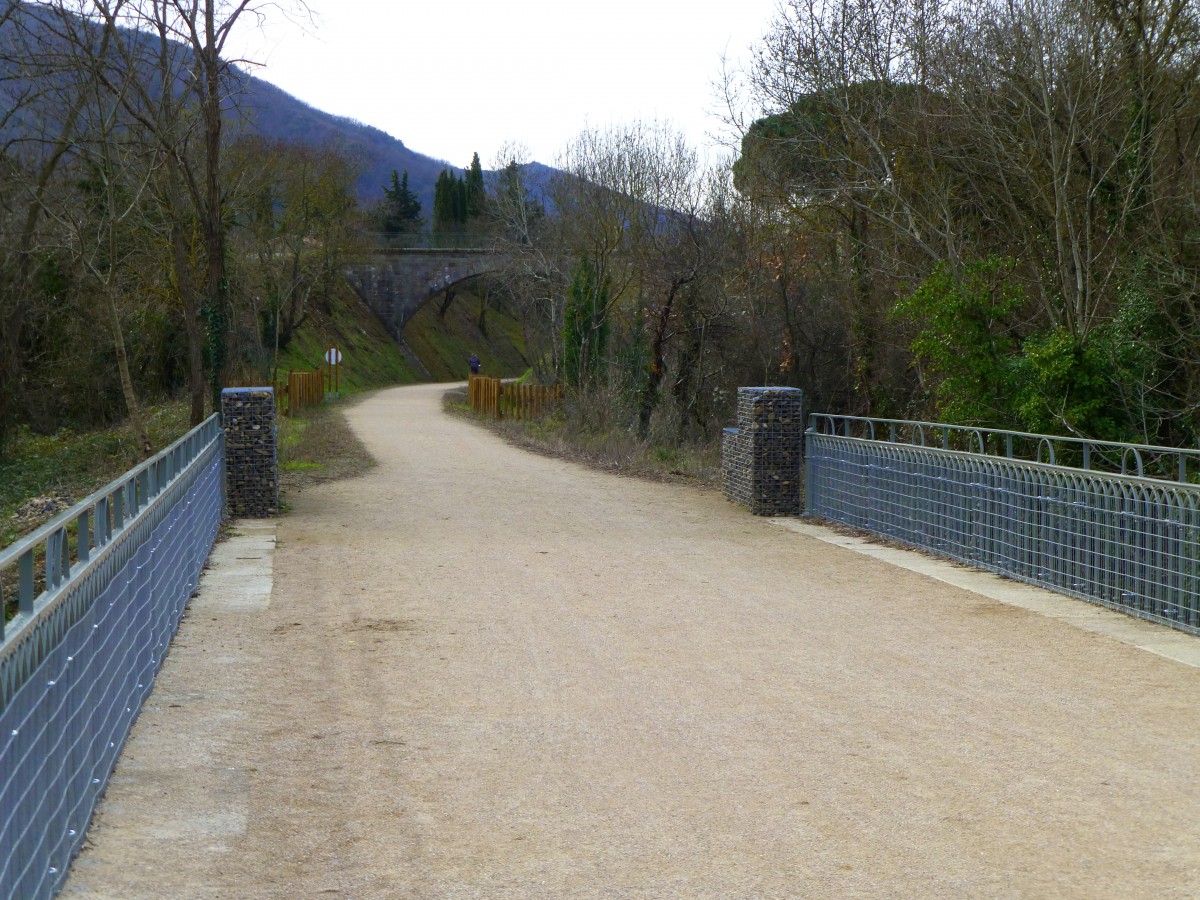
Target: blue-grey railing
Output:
[(1117, 537), (1169, 463), (101, 590)]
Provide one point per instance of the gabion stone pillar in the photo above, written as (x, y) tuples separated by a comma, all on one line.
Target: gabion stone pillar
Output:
[(251, 467), (761, 459)]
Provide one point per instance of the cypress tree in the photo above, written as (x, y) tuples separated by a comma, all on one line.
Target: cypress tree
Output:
[(474, 189), (443, 203), (460, 204)]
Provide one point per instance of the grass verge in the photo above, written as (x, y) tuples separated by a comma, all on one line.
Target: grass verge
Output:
[(615, 451), (41, 475), (317, 445)]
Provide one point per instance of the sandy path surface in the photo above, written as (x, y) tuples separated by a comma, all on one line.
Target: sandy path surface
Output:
[(483, 673)]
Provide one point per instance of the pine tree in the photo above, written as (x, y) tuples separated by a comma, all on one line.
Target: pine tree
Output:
[(402, 209), (408, 204), (449, 204)]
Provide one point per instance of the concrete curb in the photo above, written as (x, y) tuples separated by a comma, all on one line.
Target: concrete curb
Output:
[(1158, 639), (177, 783)]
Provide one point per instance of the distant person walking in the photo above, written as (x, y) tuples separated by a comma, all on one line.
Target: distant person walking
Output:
[(473, 362)]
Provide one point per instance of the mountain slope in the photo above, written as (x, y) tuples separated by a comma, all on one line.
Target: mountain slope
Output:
[(273, 113), (258, 107)]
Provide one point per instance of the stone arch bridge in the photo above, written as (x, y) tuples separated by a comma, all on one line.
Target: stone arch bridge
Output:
[(397, 284)]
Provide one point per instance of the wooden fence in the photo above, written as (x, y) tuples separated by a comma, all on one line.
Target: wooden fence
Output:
[(304, 389), (297, 391), (495, 398)]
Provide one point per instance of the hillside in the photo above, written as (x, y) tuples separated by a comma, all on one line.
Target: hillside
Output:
[(444, 343), (274, 113), (439, 344), (258, 107), (371, 357)]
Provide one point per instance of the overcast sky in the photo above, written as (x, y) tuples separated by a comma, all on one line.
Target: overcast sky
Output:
[(452, 78)]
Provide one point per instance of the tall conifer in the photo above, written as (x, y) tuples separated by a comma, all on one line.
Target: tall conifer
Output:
[(474, 188)]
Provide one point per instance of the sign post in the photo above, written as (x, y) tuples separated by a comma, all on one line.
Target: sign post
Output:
[(333, 359)]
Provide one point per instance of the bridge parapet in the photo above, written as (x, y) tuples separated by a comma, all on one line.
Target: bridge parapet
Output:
[(397, 284), (425, 241)]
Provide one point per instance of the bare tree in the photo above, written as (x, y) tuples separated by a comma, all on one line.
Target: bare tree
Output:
[(900, 135), (300, 226), (37, 75), (166, 66), (534, 276)]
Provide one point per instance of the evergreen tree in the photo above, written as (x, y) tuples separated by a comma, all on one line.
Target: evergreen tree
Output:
[(443, 203), (585, 324), (474, 189), (460, 203), (449, 204), (401, 208)]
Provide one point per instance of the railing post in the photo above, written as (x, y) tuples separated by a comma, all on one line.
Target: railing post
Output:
[(25, 591), (101, 522), (83, 537), (64, 555)]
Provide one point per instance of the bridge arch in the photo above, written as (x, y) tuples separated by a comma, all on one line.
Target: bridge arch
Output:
[(398, 284)]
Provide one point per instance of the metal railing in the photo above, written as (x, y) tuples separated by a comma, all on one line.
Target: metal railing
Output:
[(101, 590), (1145, 460), (1121, 539)]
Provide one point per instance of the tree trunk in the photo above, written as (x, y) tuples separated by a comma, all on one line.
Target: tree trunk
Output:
[(658, 349), (186, 286), (214, 226), (131, 402)]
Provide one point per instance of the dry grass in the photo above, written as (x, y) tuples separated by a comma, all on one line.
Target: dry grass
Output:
[(614, 450), (67, 466), (318, 445)]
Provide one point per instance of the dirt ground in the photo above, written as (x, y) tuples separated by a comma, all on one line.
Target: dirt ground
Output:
[(486, 673)]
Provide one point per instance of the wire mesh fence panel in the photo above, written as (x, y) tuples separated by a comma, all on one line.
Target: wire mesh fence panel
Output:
[(1127, 541), (76, 668)]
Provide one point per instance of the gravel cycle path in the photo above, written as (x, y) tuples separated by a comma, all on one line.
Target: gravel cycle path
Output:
[(485, 673)]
